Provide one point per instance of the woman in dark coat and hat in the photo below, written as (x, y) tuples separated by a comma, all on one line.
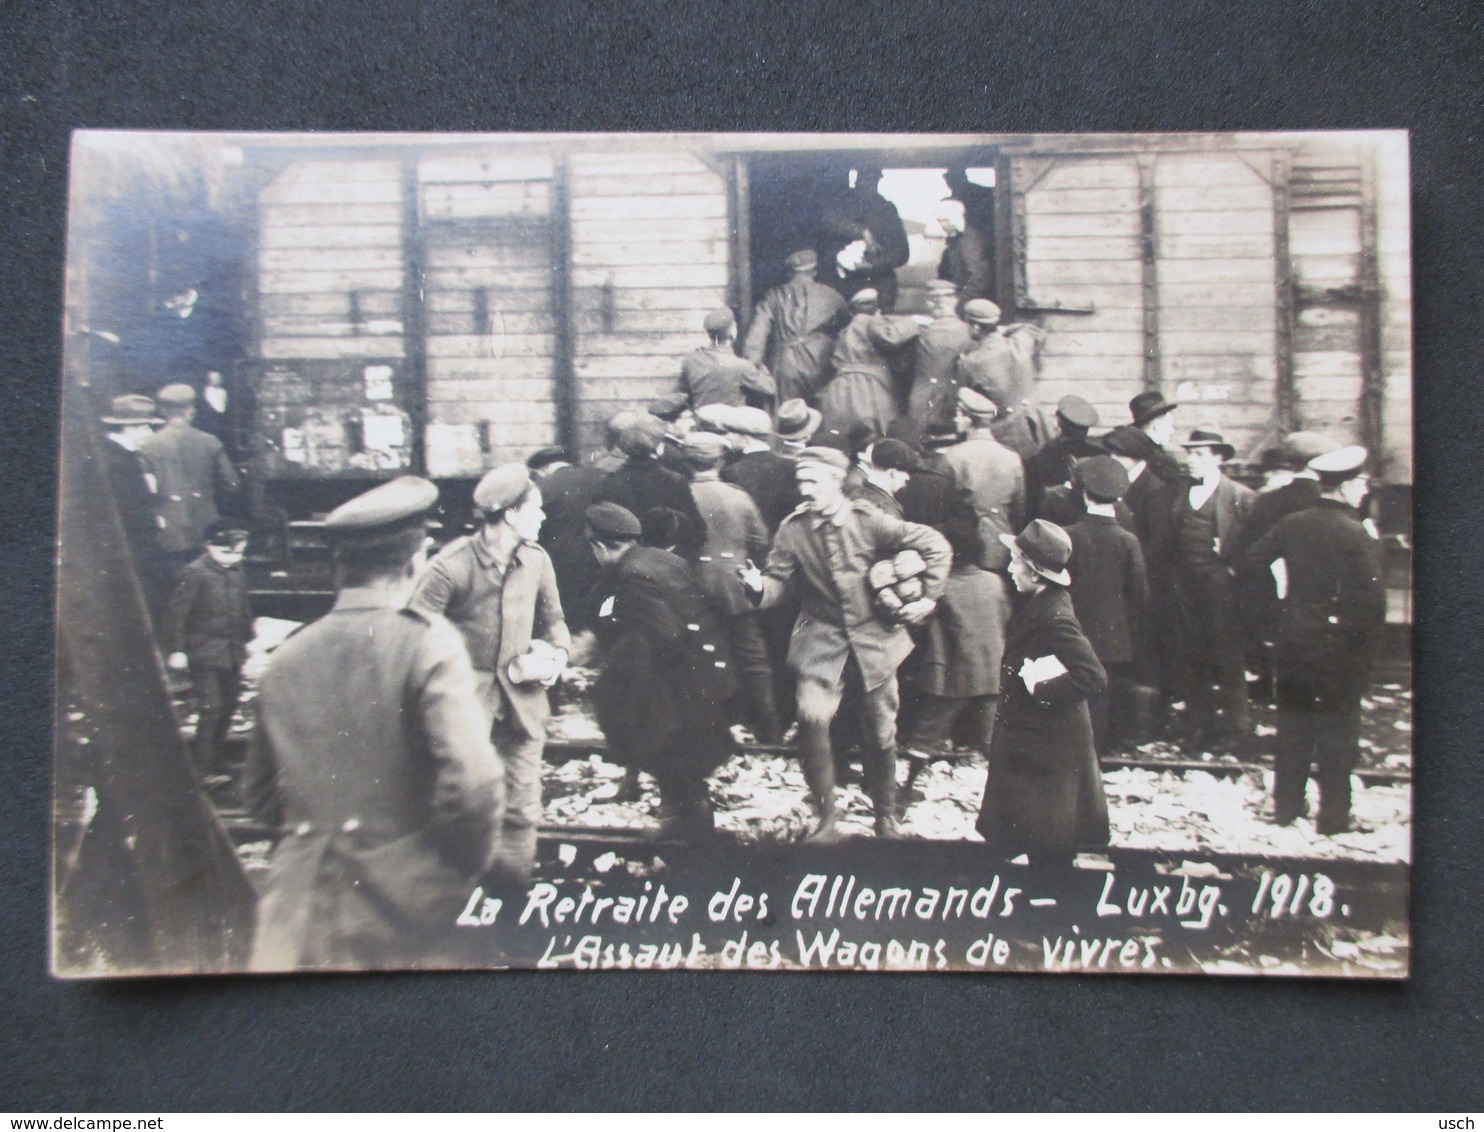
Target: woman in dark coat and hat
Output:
[(1044, 796)]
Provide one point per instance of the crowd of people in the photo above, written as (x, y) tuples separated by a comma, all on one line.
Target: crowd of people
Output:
[(852, 531)]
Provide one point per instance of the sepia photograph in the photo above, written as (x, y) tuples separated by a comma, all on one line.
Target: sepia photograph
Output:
[(881, 552)]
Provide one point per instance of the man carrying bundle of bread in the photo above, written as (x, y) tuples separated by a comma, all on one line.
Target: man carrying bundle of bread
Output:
[(826, 551)]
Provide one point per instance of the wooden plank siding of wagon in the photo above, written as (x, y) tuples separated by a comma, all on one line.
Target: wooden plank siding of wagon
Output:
[(651, 254), (1078, 229)]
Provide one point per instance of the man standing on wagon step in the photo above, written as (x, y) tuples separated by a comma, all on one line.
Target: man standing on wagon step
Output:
[(825, 550)]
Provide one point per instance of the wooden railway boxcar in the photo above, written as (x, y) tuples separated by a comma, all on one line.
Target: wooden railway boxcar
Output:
[(440, 304)]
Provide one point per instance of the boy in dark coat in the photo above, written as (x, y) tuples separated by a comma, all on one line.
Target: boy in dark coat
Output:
[(207, 626), (1110, 593), (667, 675), (1044, 795)]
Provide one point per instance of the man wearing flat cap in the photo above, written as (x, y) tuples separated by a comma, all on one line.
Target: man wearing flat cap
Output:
[(372, 759), (667, 677), (130, 419), (992, 474), (1329, 627), (642, 483), (1207, 534), (194, 475), (864, 387), (863, 239), (767, 476), (824, 552), (793, 330), (1052, 465), (499, 589), (1110, 595), (1001, 364), (735, 535), (935, 359), (715, 375), (888, 464)]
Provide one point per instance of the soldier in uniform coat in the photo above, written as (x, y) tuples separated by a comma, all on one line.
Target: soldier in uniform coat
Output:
[(667, 677), (824, 551), (861, 218), (193, 472), (1207, 534), (715, 375), (1329, 626), (498, 588), (1110, 595), (1001, 364), (931, 403), (793, 330), (863, 390), (992, 475), (372, 759), (1044, 794)]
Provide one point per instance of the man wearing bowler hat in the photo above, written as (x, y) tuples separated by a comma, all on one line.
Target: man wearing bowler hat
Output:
[(793, 330), (1329, 626), (824, 552), (715, 375), (1206, 538), (499, 589), (372, 759), (194, 474)]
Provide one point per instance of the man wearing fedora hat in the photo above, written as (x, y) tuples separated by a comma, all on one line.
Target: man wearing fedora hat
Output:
[(1329, 625), (824, 552), (715, 375), (935, 359), (193, 471), (134, 485), (793, 330), (372, 759), (1044, 793), (1206, 538), (499, 589)]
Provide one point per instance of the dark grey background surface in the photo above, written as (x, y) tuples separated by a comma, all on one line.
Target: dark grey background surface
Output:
[(701, 1040)]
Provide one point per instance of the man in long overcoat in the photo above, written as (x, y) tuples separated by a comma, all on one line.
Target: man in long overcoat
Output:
[(1044, 794), (667, 677), (993, 476), (863, 390), (499, 589), (793, 330), (715, 375), (193, 471), (824, 551), (372, 758), (134, 485), (935, 360), (1110, 595), (1329, 627)]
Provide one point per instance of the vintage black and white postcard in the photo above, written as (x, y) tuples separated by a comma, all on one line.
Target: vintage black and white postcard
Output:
[(735, 551)]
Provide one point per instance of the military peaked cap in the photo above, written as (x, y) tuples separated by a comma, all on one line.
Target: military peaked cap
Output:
[(386, 511), (1077, 412)]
